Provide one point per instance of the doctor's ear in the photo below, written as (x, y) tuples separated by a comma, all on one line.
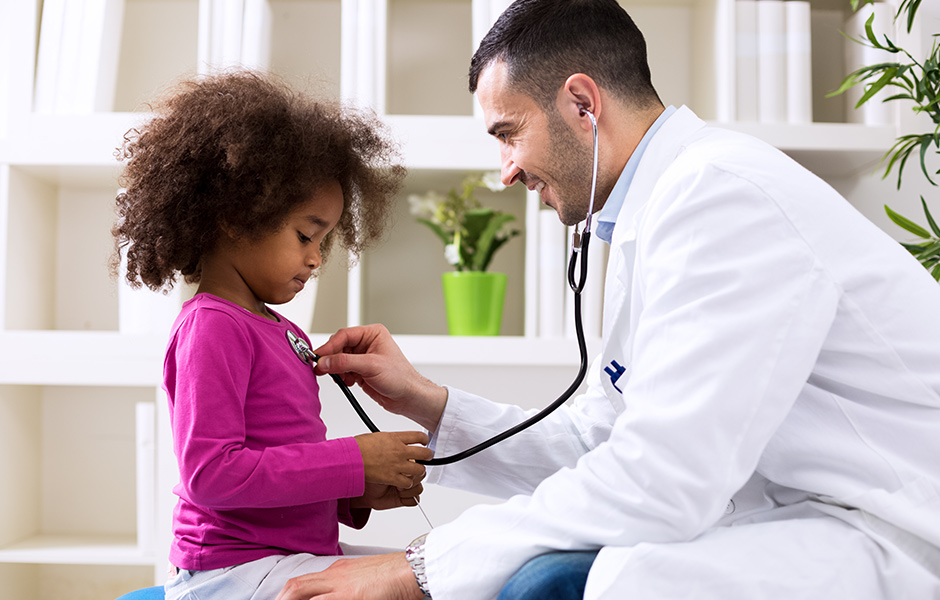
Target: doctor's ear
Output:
[(578, 96)]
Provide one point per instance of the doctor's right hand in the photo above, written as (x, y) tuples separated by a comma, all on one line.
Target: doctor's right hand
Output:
[(389, 457), (368, 355)]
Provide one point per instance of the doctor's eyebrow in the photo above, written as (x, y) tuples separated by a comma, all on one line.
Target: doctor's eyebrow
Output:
[(497, 126)]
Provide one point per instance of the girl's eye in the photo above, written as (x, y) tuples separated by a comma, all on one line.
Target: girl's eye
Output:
[(304, 239)]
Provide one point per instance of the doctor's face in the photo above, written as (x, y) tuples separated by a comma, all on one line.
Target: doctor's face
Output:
[(537, 148)]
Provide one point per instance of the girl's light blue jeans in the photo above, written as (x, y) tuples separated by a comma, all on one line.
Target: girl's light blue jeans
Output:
[(256, 580)]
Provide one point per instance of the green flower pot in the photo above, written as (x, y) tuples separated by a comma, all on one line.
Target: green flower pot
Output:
[(474, 302)]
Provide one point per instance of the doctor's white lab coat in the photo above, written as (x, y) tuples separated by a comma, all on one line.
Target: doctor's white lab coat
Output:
[(768, 353)]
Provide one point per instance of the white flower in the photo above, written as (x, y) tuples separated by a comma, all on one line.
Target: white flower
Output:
[(493, 181), (452, 254), (424, 205)]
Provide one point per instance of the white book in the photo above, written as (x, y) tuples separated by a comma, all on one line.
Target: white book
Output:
[(78, 57), (745, 47), (363, 52), (70, 59), (874, 111), (220, 33), (771, 61), (229, 32), (552, 272), (145, 413), (108, 51), (99, 48), (256, 35), (799, 62), (47, 60)]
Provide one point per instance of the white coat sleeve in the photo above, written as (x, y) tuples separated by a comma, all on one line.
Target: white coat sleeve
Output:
[(735, 308), (518, 464)]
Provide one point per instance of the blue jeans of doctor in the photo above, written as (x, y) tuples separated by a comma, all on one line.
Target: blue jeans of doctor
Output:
[(559, 576)]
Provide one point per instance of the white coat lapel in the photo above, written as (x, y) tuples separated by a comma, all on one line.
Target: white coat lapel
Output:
[(621, 306)]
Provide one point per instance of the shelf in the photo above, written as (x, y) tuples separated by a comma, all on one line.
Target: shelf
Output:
[(441, 142), (77, 550), (84, 151), (68, 140), (56, 223), (112, 359), (80, 358), (503, 351), (827, 149)]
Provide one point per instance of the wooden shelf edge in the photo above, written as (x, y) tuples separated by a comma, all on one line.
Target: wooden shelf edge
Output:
[(115, 359), (77, 550)]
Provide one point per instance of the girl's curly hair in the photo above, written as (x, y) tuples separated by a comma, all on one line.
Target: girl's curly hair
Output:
[(240, 150)]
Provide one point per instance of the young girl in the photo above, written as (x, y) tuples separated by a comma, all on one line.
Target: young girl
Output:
[(242, 185)]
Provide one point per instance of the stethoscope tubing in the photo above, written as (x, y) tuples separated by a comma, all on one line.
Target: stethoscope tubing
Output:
[(579, 247), (579, 378)]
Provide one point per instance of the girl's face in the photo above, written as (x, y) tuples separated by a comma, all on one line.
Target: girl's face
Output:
[(273, 269)]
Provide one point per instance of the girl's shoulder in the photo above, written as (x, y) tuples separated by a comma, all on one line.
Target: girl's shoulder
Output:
[(208, 314)]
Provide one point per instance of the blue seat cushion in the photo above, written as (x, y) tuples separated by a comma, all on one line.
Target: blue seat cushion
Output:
[(152, 593)]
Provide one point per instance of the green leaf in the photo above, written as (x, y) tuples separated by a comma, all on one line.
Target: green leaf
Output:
[(869, 30), (935, 272), (914, 249), (485, 245), (850, 81), (907, 224), (437, 229), (876, 87), (931, 252), (930, 221), (925, 143), (910, 6)]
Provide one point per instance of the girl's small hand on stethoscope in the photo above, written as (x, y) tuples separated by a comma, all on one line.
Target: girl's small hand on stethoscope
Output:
[(383, 497)]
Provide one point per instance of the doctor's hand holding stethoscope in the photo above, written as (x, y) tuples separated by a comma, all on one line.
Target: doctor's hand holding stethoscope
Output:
[(368, 356)]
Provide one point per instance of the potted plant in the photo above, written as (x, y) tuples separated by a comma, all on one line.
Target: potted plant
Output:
[(471, 233), (917, 81)]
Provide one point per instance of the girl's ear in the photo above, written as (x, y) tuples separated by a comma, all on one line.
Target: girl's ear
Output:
[(228, 230)]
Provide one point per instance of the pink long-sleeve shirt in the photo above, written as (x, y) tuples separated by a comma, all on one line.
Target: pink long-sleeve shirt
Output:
[(258, 475)]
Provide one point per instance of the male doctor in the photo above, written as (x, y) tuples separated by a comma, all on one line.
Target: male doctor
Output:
[(764, 418)]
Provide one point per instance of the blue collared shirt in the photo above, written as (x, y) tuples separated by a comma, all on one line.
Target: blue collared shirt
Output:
[(607, 217)]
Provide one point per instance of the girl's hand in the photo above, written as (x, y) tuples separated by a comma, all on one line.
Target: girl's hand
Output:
[(383, 497), (389, 457), (368, 355)]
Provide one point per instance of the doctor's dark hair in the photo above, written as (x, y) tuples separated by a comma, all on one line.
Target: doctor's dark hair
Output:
[(237, 151), (543, 42)]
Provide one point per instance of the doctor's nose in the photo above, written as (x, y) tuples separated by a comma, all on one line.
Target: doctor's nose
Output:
[(509, 172)]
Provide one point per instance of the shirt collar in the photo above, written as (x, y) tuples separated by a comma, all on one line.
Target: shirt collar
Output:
[(607, 217)]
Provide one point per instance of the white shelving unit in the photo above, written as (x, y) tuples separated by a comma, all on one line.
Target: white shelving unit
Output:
[(70, 379)]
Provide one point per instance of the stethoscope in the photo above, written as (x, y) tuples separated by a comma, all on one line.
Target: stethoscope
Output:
[(579, 247)]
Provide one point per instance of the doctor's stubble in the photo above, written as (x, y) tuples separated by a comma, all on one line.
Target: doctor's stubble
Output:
[(570, 164)]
